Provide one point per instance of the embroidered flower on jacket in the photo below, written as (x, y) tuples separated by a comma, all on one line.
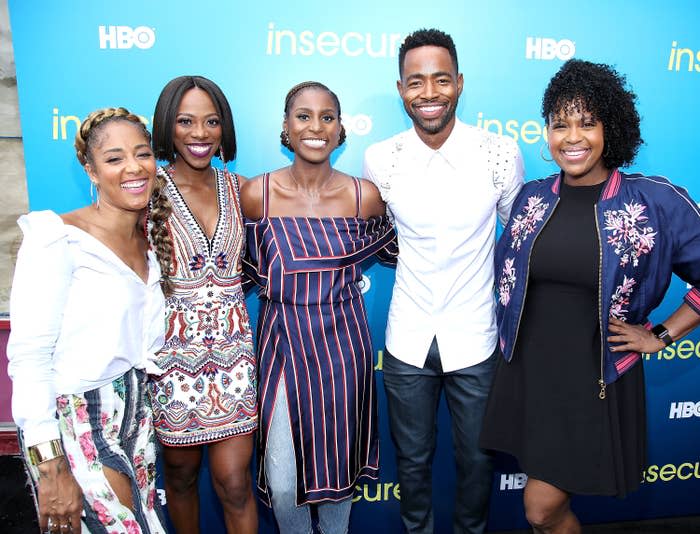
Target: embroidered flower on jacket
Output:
[(628, 235), (507, 282), (524, 223), (620, 298)]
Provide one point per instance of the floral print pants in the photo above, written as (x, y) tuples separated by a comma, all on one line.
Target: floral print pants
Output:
[(112, 426)]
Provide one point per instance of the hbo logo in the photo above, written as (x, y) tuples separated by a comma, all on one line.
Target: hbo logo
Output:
[(359, 124), (683, 410), (125, 37), (513, 481), (544, 48)]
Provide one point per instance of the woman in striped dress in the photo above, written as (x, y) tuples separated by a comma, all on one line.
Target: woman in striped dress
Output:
[(309, 228)]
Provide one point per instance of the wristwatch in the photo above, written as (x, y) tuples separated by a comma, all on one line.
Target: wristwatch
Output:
[(43, 452), (661, 332)]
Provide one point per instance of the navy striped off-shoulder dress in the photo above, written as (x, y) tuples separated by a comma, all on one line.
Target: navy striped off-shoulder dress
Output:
[(312, 329)]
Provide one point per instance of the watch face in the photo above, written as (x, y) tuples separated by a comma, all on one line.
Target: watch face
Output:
[(659, 330)]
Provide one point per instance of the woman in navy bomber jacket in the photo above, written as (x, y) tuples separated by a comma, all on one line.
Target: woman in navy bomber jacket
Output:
[(587, 254)]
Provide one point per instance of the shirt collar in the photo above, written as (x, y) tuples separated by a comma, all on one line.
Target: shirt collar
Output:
[(451, 149)]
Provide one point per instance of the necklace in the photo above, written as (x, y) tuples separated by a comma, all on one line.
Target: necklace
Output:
[(306, 190)]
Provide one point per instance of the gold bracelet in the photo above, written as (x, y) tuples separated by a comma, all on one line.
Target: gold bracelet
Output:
[(43, 452)]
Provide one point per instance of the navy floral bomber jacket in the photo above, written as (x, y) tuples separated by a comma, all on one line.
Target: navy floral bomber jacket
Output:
[(647, 229)]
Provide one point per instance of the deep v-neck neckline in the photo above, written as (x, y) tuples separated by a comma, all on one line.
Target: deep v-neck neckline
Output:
[(209, 241), (114, 255)]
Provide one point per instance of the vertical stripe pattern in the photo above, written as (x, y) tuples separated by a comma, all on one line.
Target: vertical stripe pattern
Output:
[(313, 330)]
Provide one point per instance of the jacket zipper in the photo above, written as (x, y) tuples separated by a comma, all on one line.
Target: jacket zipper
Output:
[(601, 380), (527, 277)]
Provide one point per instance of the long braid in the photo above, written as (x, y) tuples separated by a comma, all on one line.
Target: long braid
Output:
[(86, 138), (161, 240)]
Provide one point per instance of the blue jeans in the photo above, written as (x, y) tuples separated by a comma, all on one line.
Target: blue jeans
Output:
[(413, 396), (281, 474)]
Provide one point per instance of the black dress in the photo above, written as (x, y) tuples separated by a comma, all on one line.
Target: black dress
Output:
[(544, 407)]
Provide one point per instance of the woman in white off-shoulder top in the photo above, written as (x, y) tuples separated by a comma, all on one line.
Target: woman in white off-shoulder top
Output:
[(87, 318)]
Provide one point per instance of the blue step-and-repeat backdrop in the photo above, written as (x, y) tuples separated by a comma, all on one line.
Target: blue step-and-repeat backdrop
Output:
[(73, 57)]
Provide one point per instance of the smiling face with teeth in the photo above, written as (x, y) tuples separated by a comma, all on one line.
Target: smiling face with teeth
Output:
[(430, 88), (313, 124), (576, 142), (122, 166), (197, 131)]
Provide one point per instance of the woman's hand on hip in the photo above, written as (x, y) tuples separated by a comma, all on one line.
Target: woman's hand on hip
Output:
[(632, 338)]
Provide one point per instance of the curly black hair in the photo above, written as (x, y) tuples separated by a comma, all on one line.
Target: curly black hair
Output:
[(431, 37), (600, 90)]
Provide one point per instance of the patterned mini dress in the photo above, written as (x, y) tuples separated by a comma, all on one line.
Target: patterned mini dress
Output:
[(207, 391)]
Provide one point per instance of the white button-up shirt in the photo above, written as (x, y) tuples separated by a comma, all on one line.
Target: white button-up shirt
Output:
[(444, 204), (79, 319)]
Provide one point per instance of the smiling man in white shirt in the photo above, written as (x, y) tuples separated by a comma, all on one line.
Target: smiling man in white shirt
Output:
[(445, 184)]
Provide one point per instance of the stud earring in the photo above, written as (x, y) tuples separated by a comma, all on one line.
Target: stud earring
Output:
[(284, 137)]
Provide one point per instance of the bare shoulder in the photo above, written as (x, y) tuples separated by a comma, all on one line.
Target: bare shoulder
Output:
[(80, 218), (252, 197), (238, 180), (342, 180), (372, 203)]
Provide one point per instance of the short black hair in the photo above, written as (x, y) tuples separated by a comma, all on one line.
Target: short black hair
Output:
[(166, 111), (431, 37), (600, 90)]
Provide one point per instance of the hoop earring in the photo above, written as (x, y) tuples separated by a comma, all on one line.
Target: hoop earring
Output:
[(542, 153), (95, 194)]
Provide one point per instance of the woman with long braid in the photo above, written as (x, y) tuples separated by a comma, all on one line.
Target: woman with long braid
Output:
[(87, 319), (207, 394)]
